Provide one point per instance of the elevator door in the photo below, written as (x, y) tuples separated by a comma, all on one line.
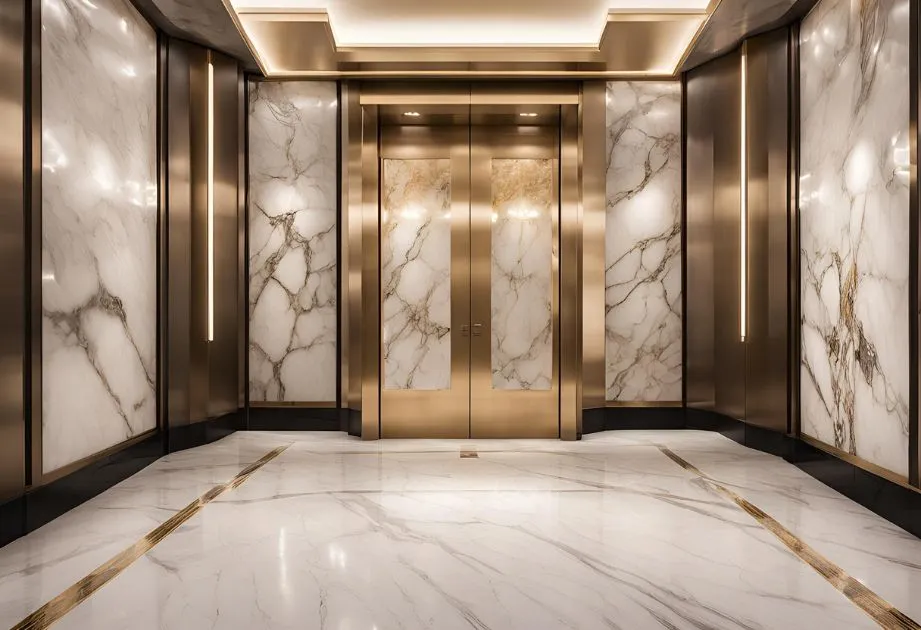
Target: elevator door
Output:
[(469, 281)]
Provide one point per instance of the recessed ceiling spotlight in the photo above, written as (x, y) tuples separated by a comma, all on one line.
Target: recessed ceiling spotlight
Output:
[(528, 114), (412, 114)]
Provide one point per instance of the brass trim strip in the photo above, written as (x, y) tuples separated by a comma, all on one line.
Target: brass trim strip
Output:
[(881, 611), (73, 596), (859, 462)]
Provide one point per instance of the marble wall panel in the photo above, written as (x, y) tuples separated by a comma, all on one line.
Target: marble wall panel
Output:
[(292, 255), (99, 227), (416, 274), (521, 281), (643, 325), (854, 228)]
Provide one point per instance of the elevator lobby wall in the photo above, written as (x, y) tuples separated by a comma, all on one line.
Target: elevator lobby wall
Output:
[(111, 211)]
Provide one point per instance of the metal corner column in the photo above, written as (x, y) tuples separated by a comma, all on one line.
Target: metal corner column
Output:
[(571, 269), (370, 272), (793, 265), (914, 290), (593, 165), (34, 237)]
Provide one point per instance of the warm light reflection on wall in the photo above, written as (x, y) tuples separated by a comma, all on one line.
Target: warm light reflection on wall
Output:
[(743, 203), (210, 201)]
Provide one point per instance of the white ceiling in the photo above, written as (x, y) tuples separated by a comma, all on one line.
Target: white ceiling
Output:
[(357, 23)]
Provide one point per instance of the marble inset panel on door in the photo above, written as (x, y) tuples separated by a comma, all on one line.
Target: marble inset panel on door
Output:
[(99, 227), (416, 273), (643, 327), (854, 209), (292, 255), (522, 268)]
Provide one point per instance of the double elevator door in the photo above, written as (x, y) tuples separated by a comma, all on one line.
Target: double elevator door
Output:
[(469, 263)]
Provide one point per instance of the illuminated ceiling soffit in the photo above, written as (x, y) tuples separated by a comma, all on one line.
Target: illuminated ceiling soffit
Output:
[(472, 38)]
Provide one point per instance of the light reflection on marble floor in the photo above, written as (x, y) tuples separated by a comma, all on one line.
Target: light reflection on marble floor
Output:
[(345, 535)]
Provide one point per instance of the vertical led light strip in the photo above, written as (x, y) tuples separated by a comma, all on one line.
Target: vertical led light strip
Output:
[(743, 204), (210, 201)]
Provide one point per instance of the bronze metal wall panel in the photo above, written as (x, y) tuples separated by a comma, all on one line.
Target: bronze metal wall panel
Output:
[(199, 379), (767, 342), (179, 234), (204, 378), (716, 354), (12, 248), (223, 351), (700, 356)]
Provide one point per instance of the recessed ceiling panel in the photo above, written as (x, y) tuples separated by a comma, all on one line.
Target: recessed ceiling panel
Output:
[(468, 23)]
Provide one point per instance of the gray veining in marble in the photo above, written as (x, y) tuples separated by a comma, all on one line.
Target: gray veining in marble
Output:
[(854, 228), (521, 282), (416, 274), (99, 227), (292, 223), (643, 325)]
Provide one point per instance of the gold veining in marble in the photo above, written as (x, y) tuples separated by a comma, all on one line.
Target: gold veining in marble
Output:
[(881, 611), (73, 596), (522, 274)]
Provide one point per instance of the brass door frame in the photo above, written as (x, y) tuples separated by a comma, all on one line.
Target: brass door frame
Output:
[(361, 288), (499, 413), (436, 413)]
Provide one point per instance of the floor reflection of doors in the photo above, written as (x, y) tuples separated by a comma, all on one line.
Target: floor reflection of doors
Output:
[(469, 275)]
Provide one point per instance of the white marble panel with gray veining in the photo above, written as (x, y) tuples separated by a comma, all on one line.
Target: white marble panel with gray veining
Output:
[(521, 283), (643, 242), (292, 257), (99, 227), (416, 274), (855, 228)]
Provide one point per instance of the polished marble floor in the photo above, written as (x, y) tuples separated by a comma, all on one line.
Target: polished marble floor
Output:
[(340, 534)]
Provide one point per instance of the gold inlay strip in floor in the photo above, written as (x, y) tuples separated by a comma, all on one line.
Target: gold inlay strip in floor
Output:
[(881, 611), (102, 575)]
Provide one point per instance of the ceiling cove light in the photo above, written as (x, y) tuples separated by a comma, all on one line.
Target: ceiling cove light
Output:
[(412, 114), (528, 114)]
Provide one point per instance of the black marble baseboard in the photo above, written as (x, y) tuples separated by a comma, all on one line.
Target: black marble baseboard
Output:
[(638, 418), (895, 503), (294, 419), (631, 418), (43, 504), (593, 421), (201, 433)]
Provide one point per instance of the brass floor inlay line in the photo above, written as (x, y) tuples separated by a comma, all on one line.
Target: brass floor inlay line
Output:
[(102, 575), (881, 611)]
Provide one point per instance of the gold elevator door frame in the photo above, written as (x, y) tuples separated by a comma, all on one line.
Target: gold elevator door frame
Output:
[(471, 406)]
